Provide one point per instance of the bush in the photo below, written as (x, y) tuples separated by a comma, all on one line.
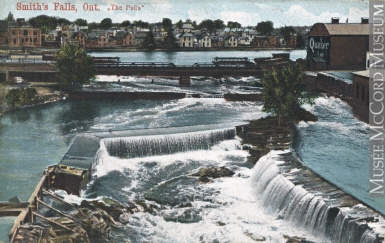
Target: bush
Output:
[(21, 96)]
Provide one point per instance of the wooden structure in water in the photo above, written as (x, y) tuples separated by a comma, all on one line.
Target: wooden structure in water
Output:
[(59, 177)]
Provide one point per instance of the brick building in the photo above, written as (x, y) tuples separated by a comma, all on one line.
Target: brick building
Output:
[(341, 46), (19, 33)]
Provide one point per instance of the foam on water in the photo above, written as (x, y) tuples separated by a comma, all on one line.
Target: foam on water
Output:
[(228, 209)]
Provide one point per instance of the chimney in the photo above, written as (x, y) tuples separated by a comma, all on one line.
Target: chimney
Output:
[(364, 20), (335, 20)]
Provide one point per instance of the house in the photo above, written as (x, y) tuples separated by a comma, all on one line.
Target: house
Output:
[(19, 33), (264, 41), (187, 28), (216, 41), (204, 41), (139, 37), (230, 41), (64, 28), (79, 37), (342, 46), (121, 38), (186, 39), (243, 41), (97, 38)]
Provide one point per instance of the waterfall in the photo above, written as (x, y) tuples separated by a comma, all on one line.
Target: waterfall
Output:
[(304, 209), (143, 146)]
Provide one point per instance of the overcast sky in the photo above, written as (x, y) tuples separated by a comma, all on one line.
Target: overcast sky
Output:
[(247, 12)]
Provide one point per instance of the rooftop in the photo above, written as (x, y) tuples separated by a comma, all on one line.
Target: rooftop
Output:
[(347, 29)]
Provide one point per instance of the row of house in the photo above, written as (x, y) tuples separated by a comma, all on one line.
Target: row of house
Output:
[(230, 37), (21, 33)]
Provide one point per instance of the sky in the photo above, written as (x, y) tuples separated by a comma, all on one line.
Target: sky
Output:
[(246, 12)]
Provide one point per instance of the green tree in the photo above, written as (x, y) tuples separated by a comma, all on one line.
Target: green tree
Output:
[(63, 21), (44, 22), (149, 42), (81, 22), (170, 42), (21, 96), (265, 27), (179, 24), (283, 91), (75, 66), (125, 23), (10, 17), (167, 23), (106, 23), (207, 24), (300, 41), (141, 24), (218, 24), (286, 32), (232, 24), (93, 26)]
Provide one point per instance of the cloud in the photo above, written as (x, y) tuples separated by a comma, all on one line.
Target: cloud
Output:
[(245, 18)]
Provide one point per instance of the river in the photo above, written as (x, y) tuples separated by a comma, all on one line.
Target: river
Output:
[(227, 210)]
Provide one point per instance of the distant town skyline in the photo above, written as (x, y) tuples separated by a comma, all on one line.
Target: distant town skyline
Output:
[(246, 12)]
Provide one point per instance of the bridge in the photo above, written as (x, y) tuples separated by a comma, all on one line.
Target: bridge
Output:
[(184, 72), (113, 66)]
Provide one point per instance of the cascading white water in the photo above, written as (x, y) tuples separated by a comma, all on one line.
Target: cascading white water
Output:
[(304, 209), (142, 146)]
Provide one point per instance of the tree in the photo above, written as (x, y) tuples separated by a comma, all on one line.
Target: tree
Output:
[(179, 24), (232, 24), (170, 42), (141, 24), (106, 23), (81, 22), (265, 27), (10, 17), (75, 66), (283, 91), (300, 41), (63, 21), (44, 22), (125, 23), (93, 26), (21, 96), (149, 42), (218, 24), (207, 24), (167, 23), (287, 32)]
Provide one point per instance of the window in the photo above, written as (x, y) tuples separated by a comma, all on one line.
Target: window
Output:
[(14, 40), (6, 41), (25, 32), (30, 40), (22, 40), (35, 40), (35, 32), (13, 32)]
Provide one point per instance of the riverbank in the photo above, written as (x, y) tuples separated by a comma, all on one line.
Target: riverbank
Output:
[(46, 93), (40, 50)]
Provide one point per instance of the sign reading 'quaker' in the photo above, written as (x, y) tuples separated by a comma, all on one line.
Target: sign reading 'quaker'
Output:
[(318, 47)]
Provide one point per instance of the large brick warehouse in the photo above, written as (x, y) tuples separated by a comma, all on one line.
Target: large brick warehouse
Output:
[(338, 46)]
